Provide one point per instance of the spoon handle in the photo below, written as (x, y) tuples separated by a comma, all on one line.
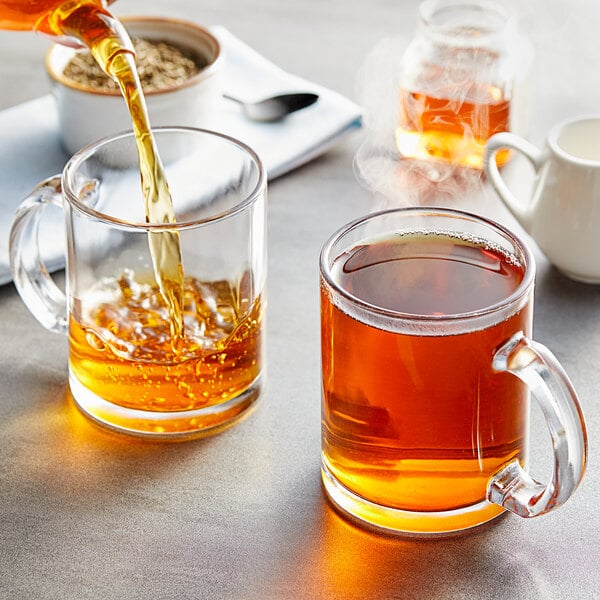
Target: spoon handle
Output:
[(228, 97)]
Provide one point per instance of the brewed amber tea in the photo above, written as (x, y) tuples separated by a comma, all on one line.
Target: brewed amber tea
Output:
[(121, 347), (415, 419), (454, 129)]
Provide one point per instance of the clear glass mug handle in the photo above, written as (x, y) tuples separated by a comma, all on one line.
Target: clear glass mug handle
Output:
[(41, 295), (512, 487)]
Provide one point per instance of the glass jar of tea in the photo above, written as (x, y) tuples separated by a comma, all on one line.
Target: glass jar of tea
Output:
[(458, 82)]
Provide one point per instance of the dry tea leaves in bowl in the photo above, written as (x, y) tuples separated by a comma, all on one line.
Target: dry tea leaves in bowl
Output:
[(161, 65)]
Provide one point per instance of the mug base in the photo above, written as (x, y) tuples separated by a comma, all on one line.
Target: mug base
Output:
[(176, 425), (402, 522)]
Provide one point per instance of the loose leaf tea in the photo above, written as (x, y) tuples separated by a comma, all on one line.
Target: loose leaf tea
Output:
[(159, 64)]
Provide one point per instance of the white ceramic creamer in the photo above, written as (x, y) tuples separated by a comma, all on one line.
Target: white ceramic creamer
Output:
[(563, 214)]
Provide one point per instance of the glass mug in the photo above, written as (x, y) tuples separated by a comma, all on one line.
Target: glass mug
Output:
[(427, 367), (139, 363)]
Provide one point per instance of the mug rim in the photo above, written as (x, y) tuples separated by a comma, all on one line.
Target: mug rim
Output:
[(521, 291), (83, 154), (556, 131)]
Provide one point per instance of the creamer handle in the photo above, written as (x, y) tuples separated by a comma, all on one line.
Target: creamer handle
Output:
[(522, 211)]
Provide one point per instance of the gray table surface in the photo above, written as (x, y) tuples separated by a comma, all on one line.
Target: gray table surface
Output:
[(87, 514)]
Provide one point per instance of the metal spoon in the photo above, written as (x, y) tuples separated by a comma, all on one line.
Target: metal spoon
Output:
[(277, 107)]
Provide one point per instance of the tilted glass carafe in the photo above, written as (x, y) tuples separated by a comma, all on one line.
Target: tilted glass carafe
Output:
[(72, 22)]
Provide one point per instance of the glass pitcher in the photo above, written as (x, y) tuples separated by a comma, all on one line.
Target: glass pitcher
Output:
[(71, 22)]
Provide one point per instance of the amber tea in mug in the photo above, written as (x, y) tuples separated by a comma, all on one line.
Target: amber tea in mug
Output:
[(120, 345), (405, 450), (417, 416)]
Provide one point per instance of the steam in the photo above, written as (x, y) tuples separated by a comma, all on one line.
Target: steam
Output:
[(378, 164), (563, 38)]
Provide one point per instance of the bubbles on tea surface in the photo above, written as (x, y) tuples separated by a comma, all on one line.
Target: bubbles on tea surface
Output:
[(493, 255), (430, 274), (129, 315), (496, 254)]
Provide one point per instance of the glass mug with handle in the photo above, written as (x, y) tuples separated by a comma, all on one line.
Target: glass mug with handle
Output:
[(151, 353), (427, 369)]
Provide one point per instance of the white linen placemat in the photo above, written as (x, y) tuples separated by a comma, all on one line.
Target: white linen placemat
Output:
[(30, 149)]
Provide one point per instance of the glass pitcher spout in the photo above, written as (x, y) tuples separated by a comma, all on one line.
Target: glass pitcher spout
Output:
[(50, 17)]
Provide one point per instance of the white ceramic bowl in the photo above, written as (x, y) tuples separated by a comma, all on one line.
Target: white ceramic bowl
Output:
[(86, 114)]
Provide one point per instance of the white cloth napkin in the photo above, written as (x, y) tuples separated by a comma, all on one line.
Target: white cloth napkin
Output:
[(30, 149)]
